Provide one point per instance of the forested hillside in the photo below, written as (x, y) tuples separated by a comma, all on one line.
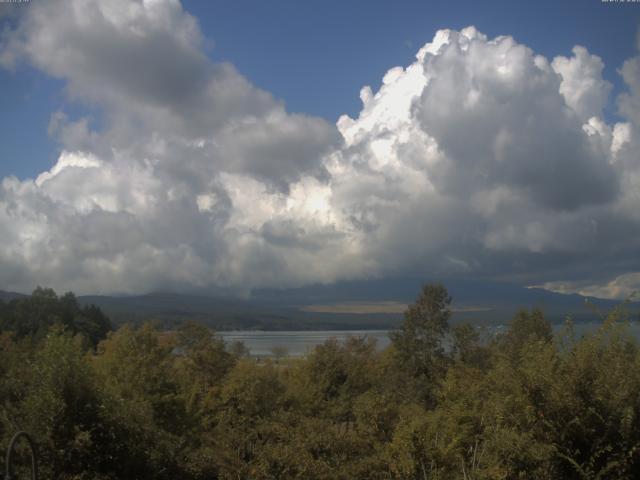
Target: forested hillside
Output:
[(138, 403)]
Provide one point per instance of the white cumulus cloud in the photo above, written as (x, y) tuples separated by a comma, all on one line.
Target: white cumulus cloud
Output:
[(481, 157)]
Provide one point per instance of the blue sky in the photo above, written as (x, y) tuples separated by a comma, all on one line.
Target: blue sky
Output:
[(317, 54), (334, 47)]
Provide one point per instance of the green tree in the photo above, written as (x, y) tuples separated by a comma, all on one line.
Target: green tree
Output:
[(418, 343), (31, 317), (143, 399), (467, 348), (202, 365), (525, 327), (238, 349), (279, 352), (61, 409)]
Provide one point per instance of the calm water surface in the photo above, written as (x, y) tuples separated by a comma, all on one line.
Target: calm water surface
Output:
[(299, 343)]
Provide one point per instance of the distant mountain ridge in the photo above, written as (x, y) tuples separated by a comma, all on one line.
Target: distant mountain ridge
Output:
[(8, 296), (322, 307), (475, 300)]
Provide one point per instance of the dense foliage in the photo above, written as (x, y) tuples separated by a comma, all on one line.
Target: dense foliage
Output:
[(439, 403), (31, 317)]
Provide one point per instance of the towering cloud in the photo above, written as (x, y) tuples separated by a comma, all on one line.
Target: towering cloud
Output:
[(480, 158)]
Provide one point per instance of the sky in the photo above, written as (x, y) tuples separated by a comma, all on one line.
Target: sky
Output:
[(159, 145)]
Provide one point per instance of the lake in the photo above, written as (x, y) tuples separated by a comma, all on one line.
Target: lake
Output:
[(300, 343), (297, 343)]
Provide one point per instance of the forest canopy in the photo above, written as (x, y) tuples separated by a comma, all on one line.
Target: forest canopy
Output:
[(32, 317), (440, 402)]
